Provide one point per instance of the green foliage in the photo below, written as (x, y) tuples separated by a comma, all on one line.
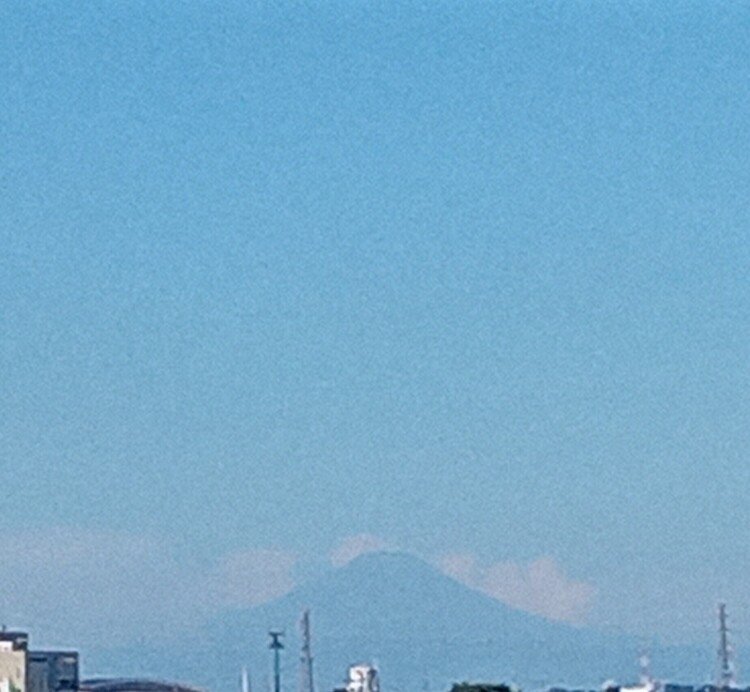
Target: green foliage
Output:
[(480, 687)]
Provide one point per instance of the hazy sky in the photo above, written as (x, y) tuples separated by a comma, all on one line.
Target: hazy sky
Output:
[(470, 279)]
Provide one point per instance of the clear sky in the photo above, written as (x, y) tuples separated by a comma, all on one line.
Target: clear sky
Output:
[(468, 278)]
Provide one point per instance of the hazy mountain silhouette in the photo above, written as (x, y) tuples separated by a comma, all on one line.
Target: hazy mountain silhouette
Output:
[(424, 630), (421, 625)]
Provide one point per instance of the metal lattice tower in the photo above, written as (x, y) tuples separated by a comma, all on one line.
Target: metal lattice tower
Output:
[(725, 679), (276, 646), (306, 683)]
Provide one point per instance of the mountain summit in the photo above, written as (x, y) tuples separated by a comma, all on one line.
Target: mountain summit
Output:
[(422, 628)]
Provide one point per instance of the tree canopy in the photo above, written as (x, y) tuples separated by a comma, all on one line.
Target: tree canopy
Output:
[(480, 687)]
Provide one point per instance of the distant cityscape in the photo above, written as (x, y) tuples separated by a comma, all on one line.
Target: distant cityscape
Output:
[(23, 669)]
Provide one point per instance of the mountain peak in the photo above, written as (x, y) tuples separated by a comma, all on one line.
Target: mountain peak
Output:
[(388, 561), (418, 623), (387, 556)]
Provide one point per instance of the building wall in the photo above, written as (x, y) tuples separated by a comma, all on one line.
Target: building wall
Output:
[(13, 661), (363, 678), (52, 671)]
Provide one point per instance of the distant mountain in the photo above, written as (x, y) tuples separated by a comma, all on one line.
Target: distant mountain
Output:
[(422, 628)]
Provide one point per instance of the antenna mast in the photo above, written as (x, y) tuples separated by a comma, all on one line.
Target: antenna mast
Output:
[(644, 663), (726, 670), (276, 646), (306, 683)]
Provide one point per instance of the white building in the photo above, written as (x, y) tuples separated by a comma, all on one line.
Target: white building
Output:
[(363, 678), (12, 662)]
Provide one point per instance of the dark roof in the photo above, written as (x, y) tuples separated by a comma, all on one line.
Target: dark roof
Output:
[(20, 639), (52, 654), (133, 685)]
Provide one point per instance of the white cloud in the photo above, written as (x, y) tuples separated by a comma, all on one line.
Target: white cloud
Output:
[(354, 546), (540, 587), (109, 588), (100, 586), (251, 577)]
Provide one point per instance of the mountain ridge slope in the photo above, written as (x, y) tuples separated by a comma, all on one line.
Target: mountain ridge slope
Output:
[(423, 629)]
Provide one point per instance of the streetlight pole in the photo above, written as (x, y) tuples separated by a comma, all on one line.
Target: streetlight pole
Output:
[(276, 646)]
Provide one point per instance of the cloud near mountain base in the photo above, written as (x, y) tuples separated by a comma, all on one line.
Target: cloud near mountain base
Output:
[(250, 577), (540, 587), (110, 588)]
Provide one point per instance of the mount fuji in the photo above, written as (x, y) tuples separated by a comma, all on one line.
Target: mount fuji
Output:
[(421, 628)]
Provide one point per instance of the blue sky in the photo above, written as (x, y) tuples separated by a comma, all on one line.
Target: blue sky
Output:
[(470, 279)]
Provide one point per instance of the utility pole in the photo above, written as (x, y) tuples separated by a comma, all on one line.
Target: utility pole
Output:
[(276, 646), (306, 683), (725, 679)]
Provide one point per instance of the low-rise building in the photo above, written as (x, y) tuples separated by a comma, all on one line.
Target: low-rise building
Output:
[(52, 671), (13, 651), (363, 678)]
